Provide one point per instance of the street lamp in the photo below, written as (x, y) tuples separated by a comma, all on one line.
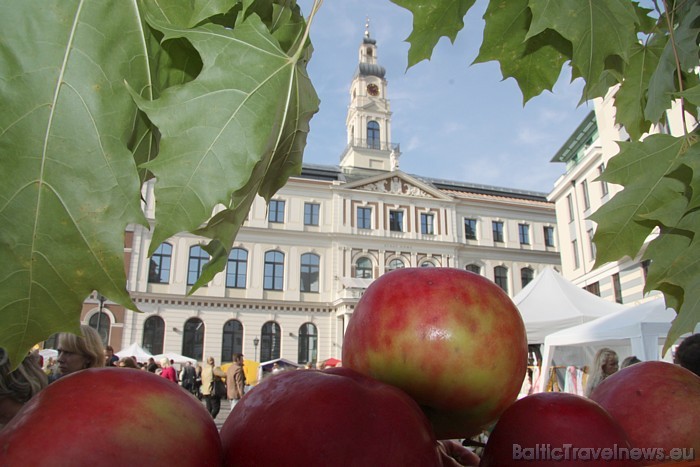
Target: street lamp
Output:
[(256, 341), (102, 300)]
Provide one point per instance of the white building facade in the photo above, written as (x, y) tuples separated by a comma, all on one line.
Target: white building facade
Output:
[(577, 194), (300, 264)]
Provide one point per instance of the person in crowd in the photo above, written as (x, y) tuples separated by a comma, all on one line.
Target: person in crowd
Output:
[(78, 352), (629, 361), (127, 362), (209, 375), (110, 358), (189, 377), (688, 354), (152, 365), (235, 380), (51, 369), (167, 370), (276, 368), (20, 385), (605, 364)]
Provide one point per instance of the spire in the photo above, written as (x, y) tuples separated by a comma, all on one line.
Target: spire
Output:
[(368, 65), (367, 28)]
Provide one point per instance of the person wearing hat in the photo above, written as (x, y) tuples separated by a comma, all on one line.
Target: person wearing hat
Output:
[(210, 374)]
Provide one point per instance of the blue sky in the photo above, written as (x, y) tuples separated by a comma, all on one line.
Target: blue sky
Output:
[(453, 120)]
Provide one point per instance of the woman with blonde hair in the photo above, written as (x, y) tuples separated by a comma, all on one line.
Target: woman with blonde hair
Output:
[(605, 364), (20, 385), (77, 353)]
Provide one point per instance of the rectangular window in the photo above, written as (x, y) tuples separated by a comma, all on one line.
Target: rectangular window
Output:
[(470, 229), (593, 288), (603, 184), (617, 287), (427, 224), (364, 218), (574, 248), (586, 198), (396, 221), (570, 205), (276, 211), (311, 211), (592, 245), (549, 236), (524, 233), (497, 227)]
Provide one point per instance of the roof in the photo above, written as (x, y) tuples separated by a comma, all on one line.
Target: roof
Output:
[(451, 187)]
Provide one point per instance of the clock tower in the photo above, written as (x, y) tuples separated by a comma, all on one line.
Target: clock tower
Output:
[(369, 116)]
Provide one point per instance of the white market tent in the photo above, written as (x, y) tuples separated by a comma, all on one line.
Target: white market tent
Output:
[(134, 350), (634, 330), (551, 303), (176, 358)]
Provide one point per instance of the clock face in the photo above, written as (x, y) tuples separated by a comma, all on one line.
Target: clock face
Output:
[(373, 89)]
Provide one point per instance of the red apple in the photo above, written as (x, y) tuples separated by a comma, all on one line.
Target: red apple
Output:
[(556, 429), (657, 405), (111, 417), (330, 417), (452, 339)]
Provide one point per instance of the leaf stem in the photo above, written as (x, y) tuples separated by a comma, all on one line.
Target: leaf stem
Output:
[(669, 16)]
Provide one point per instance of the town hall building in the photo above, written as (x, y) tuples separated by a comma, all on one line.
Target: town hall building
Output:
[(300, 264)]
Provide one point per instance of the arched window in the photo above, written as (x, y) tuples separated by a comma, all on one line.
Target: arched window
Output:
[(198, 259), (193, 339), (159, 266), (273, 278), (500, 277), (310, 266), (153, 334), (395, 264), (427, 264), (373, 135), (475, 268), (232, 340), (363, 268), (101, 322), (270, 337), (308, 343), (237, 268), (526, 276)]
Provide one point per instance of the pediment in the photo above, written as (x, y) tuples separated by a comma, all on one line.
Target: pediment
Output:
[(398, 183)]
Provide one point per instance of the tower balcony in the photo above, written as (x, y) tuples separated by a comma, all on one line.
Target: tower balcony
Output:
[(373, 144)]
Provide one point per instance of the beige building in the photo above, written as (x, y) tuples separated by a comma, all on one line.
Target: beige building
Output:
[(577, 194), (300, 264)]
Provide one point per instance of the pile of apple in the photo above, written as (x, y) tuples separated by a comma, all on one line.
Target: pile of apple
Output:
[(429, 354)]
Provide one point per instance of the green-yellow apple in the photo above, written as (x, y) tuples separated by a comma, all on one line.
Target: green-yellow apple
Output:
[(331, 417), (111, 417), (658, 405), (452, 339), (556, 429)]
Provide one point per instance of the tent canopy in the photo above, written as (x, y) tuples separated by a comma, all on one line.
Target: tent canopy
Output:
[(176, 358), (550, 303), (634, 330), (135, 350)]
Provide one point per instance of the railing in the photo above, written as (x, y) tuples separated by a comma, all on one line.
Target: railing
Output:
[(373, 144)]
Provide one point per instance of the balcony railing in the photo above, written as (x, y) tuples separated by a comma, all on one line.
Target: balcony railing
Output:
[(373, 144)]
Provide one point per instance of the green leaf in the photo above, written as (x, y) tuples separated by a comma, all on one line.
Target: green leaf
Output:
[(535, 63), (631, 98), (681, 53), (675, 269), (597, 30), (642, 168), (68, 184), (235, 116), (431, 21)]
